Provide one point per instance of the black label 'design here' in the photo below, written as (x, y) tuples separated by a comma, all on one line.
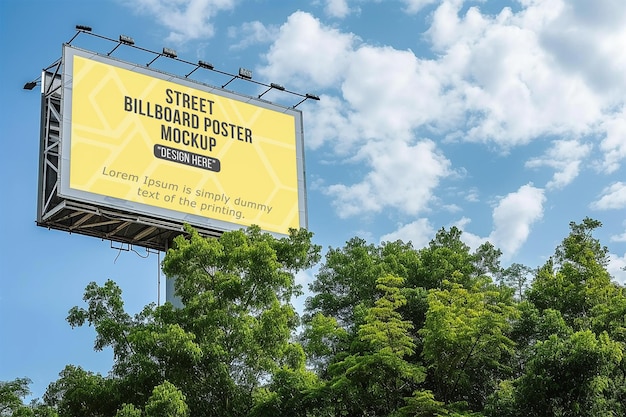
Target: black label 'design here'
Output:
[(187, 158)]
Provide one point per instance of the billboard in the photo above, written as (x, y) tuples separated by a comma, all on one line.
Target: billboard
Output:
[(142, 141)]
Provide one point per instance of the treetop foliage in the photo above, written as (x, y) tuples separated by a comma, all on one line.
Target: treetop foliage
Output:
[(388, 330)]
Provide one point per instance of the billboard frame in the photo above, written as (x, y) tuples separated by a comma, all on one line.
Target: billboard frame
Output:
[(62, 208)]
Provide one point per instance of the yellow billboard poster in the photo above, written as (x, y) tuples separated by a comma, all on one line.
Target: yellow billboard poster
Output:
[(144, 141)]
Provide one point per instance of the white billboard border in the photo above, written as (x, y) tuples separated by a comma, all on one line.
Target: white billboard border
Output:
[(177, 217)]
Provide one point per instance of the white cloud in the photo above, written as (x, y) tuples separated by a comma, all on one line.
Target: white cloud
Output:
[(448, 29), (419, 233), (505, 78), (307, 54), (586, 40), (252, 33), (341, 8), (187, 20), (495, 77), (414, 6), (513, 217), (327, 117), (402, 177), (616, 267), (500, 79), (452, 208), (393, 92), (378, 84), (472, 195), (614, 142), (619, 238), (613, 197), (337, 8), (597, 30), (375, 117), (565, 157), (364, 234)]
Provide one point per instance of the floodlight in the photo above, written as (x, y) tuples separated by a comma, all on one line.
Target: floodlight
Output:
[(245, 73), (274, 86), (170, 53), (306, 96), (79, 29), (201, 64), (126, 40), (30, 85)]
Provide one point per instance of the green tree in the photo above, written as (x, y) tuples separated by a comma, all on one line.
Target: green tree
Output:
[(166, 401), (517, 277), (79, 392), (389, 331), (486, 260), (466, 343), (568, 377), (345, 285), (570, 337), (322, 340), (376, 379), (147, 349), (575, 281), (611, 315), (445, 257), (533, 325), (237, 292), (384, 329), (12, 394), (232, 334), (128, 410), (291, 391)]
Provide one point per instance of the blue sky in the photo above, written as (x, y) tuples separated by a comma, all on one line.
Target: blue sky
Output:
[(506, 119)]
